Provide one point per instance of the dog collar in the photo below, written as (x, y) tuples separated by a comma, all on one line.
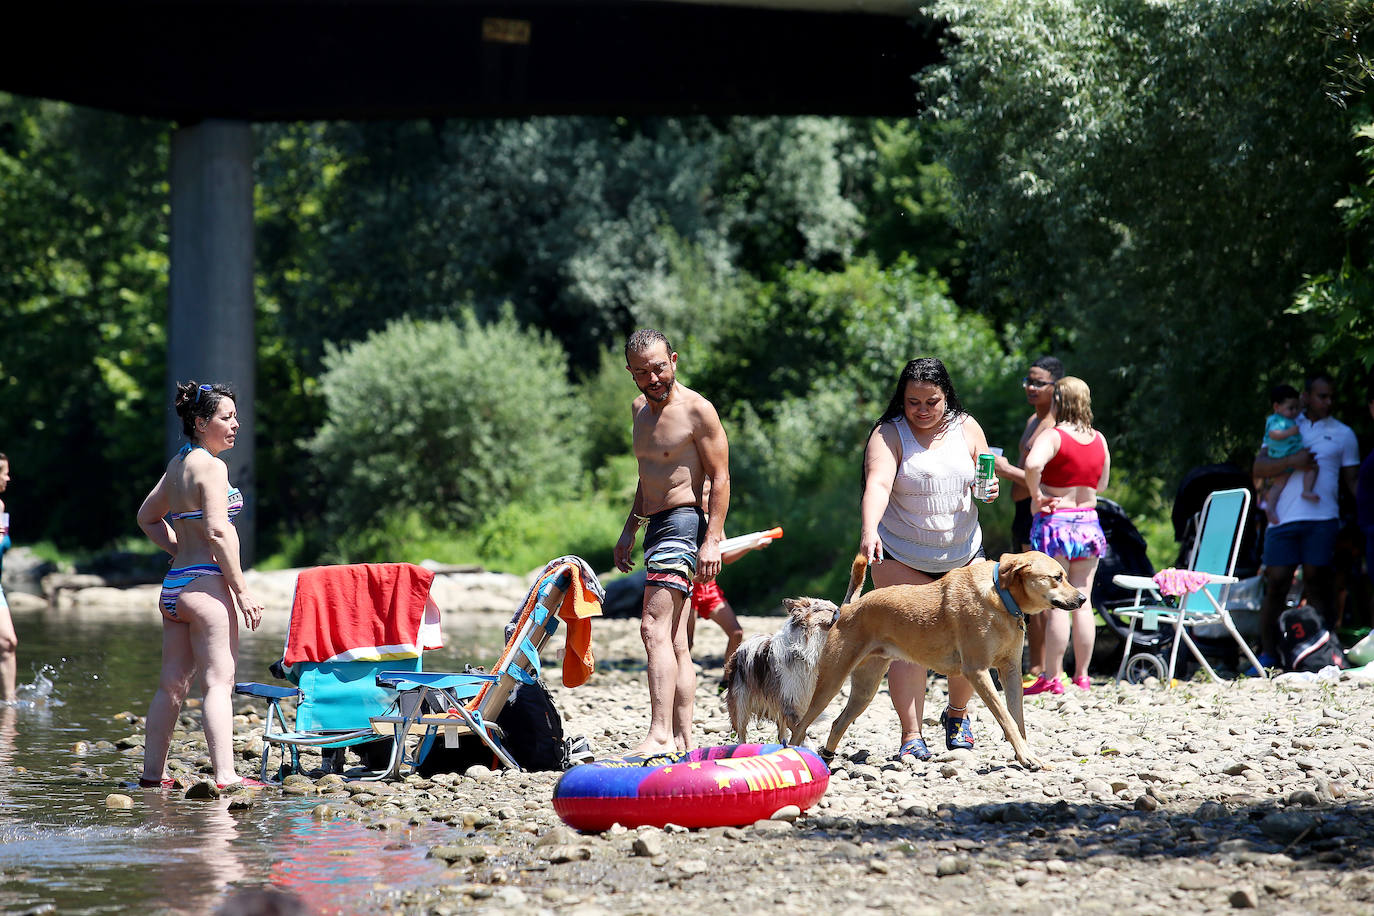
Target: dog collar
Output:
[(1008, 601)]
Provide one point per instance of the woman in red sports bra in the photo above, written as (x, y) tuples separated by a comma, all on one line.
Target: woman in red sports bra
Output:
[(1065, 470)]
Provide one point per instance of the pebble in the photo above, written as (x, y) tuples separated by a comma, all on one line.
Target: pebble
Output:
[(649, 845)]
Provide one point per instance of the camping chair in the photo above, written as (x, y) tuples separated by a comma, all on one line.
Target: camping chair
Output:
[(1214, 559), (348, 624), (453, 706)]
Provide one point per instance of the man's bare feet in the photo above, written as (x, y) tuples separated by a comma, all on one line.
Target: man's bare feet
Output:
[(652, 749)]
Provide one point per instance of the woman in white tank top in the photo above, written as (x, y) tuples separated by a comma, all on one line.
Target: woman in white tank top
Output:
[(919, 521)]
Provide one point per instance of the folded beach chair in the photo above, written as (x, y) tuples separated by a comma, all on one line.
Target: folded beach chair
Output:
[(450, 706), (348, 624), (1201, 590)]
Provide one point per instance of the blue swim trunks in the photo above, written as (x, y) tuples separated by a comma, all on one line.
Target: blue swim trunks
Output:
[(670, 547)]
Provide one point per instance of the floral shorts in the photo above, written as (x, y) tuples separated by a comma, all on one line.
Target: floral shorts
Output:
[(1074, 534)]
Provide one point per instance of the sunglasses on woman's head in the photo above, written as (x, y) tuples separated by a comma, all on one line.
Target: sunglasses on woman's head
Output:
[(202, 390)]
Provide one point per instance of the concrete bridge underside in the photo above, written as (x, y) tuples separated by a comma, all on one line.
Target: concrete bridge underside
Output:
[(215, 66)]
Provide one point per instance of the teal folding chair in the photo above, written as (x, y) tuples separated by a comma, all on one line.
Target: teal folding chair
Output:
[(336, 700), (1214, 554), (335, 704)]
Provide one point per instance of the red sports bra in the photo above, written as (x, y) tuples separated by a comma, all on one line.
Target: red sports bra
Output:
[(1076, 464)]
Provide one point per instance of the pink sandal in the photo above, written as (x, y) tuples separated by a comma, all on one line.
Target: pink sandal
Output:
[(1044, 685)]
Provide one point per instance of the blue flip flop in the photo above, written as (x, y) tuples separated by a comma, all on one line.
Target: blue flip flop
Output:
[(916, 747)]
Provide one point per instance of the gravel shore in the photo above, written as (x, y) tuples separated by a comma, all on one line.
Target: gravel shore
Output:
[(1203, 798)]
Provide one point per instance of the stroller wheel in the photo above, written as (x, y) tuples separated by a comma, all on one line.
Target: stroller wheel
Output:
[(1143, 665)]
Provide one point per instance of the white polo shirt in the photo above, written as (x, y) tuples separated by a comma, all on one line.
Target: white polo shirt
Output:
[(1334, 445)]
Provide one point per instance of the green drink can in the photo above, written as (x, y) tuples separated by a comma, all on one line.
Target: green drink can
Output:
[(982, 482)]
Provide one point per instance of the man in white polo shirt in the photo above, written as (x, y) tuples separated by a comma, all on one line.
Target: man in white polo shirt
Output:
[(1306, 531)]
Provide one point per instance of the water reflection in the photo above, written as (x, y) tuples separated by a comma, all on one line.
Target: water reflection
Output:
[(203, 855), (61, 847)]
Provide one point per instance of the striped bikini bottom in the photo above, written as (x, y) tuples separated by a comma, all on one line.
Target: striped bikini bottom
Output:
[(176, 580)]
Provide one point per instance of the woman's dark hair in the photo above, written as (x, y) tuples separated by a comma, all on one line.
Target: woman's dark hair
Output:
[(198, 402), (930, 371), (926, 369), (1050, 364)]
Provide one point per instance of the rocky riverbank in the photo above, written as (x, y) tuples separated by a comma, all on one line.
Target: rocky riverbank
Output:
[(1204, 798)]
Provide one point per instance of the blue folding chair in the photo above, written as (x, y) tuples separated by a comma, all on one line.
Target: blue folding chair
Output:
[(434, 705), (1214, 555), (336, 700)]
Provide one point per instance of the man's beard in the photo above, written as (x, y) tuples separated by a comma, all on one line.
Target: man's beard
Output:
[(660, 398)]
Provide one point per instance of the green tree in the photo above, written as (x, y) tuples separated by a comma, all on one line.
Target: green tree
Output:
[(1154, 179), (908, 208), (83, 279), (1340, 300), (571, 220)]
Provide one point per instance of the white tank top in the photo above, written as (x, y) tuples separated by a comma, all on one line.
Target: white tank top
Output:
[(931, 521)]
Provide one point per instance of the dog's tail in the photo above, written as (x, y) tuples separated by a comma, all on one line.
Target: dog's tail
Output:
[(856, 579), (856, 583)]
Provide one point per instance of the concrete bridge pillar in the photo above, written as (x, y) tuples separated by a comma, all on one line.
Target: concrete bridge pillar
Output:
[(210, 334)]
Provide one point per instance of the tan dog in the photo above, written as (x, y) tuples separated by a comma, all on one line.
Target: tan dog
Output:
[(959, 624)]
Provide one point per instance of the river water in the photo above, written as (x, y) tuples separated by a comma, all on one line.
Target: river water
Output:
[(63, 851)]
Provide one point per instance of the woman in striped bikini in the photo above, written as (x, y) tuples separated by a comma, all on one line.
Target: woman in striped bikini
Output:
[(188, 515)]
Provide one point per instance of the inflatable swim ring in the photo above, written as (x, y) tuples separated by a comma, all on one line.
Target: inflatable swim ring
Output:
[(725, 786)]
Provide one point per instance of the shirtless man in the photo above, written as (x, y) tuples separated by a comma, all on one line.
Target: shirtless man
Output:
[(1039, 385), (680, 445)]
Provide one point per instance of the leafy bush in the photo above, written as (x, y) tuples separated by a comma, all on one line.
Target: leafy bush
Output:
[(448, 420)]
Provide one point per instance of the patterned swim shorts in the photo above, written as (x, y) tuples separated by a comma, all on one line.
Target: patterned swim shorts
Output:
[(670, 547)]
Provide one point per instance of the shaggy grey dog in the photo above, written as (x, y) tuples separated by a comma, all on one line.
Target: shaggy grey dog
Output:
[(773, 677)]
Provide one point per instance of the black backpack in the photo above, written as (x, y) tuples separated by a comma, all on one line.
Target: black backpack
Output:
[(534, 737), (1305, 643)]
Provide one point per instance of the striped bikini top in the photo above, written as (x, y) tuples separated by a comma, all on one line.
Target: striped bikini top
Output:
[(235, 496)]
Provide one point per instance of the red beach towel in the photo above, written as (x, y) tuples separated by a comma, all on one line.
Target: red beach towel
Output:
[(362, 612)]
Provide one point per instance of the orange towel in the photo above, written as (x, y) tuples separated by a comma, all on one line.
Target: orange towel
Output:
[(580, 604)]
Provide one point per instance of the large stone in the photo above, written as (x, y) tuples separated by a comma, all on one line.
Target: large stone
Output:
[(1287, 826)]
